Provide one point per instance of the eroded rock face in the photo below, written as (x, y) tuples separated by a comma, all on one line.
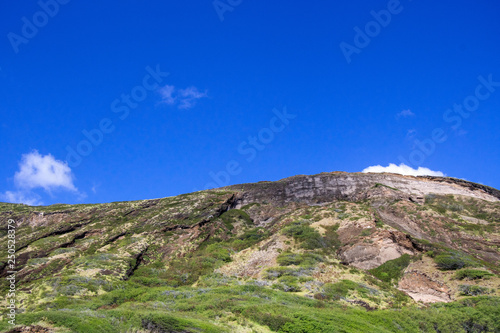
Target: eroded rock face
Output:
[(422, 288), (384, 246), (327, 187)]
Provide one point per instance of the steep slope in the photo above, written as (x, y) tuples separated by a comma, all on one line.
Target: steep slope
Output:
[(228, 259)]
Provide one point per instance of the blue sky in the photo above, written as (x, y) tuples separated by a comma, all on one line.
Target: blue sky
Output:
[(160, 98)]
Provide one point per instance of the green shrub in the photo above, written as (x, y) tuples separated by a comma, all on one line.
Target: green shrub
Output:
[(305, 259), (249, 238), (472, 274), (453, 260), (308, 237), (336, 291), (287, 284), (235, 215), (274, 321), (277, 272), (331, 238), (391, 270), (470, 290)]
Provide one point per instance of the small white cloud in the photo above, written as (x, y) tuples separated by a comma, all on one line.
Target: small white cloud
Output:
[(39, 171), (190, 96), (95, 186), (167, 94), (186, 98), (46, 172), (410, 134), (403, 169), (405, 114)]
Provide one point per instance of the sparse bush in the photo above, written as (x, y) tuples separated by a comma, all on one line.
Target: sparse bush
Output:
[(470, 290), (366, 232), (331, 238)]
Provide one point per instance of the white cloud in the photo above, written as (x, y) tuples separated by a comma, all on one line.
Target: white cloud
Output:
[(39, 171), (190, 96), (95, 186), (20, 197), (46, 172), (410, 134), (166, 94), (186, 98), (405, 113), (403, 169)]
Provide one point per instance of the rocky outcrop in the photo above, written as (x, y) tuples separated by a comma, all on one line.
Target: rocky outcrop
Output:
[(422, 288), (327, 187), (382, 247)]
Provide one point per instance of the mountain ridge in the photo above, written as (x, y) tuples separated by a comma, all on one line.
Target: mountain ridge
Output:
[(361, 240)]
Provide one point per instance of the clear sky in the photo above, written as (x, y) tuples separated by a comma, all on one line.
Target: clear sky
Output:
[(127, 100)]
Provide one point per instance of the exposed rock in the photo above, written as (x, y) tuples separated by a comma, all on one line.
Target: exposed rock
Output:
[(327, 187), (385, 246), (422, 288)]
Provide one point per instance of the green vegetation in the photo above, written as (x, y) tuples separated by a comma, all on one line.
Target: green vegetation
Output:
[(340, 289), (472, 274), (277, 272), (188, 269), (234, 215), (449, 204), (453, 260), (308, 237), (305, 259), (471, 290), (220, 309), (392, 270)]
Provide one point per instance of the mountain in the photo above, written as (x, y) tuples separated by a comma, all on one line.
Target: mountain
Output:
[(334, 252)]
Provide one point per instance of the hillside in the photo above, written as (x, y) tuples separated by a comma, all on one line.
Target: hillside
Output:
[(334, 252)]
